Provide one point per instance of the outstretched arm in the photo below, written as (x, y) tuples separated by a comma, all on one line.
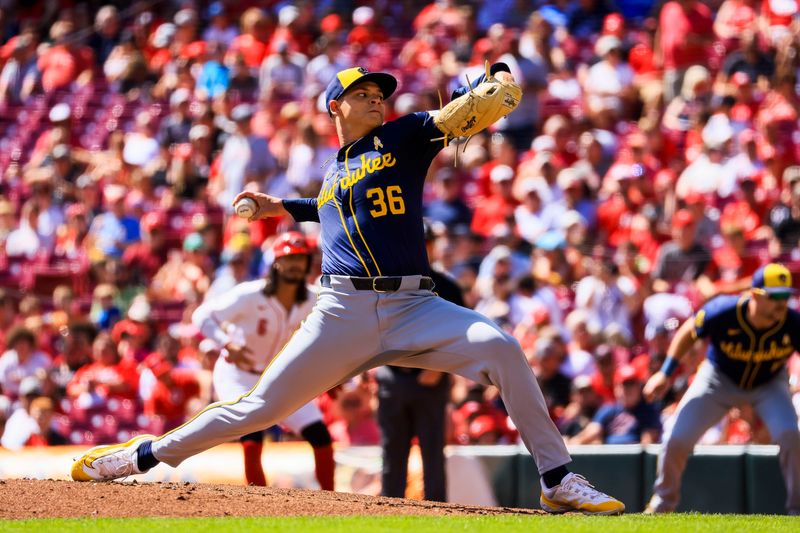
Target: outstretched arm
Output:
[(301, 209)]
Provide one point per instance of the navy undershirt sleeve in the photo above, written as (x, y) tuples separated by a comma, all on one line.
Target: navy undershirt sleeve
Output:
[(302, 209)]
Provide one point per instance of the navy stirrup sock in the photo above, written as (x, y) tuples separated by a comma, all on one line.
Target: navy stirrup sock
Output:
[(553, 477), (145, 460)]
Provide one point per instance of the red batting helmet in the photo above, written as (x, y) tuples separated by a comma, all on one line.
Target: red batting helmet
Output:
[(290, 243)]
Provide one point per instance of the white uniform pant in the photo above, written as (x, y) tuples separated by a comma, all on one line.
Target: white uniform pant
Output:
[(231, 382), (350, 331)]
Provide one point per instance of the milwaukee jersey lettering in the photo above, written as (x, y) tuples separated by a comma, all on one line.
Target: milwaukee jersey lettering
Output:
[(748, 356)]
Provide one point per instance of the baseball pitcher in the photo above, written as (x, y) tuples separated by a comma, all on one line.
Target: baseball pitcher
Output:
[(376, 305)]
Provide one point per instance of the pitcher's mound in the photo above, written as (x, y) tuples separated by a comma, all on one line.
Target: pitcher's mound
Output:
[(48, 498)]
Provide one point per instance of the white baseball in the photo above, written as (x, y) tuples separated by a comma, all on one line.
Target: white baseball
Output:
[(246, 207)]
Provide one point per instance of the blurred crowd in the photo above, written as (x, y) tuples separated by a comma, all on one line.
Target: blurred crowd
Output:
[(651, 165)]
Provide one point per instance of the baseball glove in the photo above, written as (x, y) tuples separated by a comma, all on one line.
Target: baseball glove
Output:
[(475, 111)]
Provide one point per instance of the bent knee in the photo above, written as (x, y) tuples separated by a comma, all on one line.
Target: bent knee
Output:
[(504, 345)]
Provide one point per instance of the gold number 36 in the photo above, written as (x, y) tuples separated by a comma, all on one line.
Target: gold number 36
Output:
[(395, 197)]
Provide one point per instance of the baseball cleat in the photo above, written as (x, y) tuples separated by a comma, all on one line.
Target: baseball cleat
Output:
[(104, 463), (575, 493)]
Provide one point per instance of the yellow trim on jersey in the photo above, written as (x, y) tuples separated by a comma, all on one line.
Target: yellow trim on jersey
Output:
[(358, 229), (237, 400), (344, 226), (341, 216), (353, 213), (750, 333)]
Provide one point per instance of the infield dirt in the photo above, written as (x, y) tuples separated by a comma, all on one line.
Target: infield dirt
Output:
[(23, 499)]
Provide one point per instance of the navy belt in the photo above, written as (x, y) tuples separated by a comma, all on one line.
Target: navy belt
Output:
[(379, 284)]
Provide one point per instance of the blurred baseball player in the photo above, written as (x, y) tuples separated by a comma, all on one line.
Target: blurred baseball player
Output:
[(376, 305), (750, 338), (253, 322)]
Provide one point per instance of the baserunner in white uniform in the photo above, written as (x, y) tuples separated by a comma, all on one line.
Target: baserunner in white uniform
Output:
[(252, 322), (376, 305)]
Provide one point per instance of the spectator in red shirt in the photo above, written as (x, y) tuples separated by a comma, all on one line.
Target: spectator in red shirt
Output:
[(777, 121), (185, 22), (778, 16), (64, 63), (686, 31), (603, 378), (365, 31), (501, 152), (161, 52), (173, 391), (734, 18), (747, 211), (252, 43), (144, 258), (107, 377), (497, 209), (559, 129), (294, 28), (615, 215), (8, 314), (735, 261)]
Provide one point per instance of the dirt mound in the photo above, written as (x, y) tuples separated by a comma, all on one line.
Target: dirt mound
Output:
[(48, 498)]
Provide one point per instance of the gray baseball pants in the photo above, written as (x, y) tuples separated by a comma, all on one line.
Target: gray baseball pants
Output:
[(710, 396), (350, 331)]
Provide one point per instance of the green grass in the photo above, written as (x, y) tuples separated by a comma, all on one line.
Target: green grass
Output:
[(675, 523)]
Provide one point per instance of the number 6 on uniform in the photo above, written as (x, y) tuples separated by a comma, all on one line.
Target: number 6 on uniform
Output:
[(394, 195)]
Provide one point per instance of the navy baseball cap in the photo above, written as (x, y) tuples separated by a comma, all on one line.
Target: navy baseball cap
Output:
[(773, 278), (350, 77)]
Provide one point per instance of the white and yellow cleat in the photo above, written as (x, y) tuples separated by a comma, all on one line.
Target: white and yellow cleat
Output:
[(104, 463), (576, 494)]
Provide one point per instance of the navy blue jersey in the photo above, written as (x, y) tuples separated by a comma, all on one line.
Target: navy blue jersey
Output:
[(748, 356), (625, 426), (370, 203)]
